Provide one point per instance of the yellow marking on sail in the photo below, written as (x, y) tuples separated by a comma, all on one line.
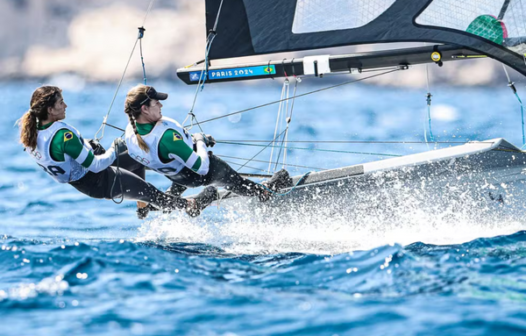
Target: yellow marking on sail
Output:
[(436, 56)]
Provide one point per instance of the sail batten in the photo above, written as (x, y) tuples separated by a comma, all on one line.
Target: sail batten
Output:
[(255, 27)]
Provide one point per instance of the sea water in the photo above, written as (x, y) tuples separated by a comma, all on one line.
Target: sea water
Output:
[(71, 265)]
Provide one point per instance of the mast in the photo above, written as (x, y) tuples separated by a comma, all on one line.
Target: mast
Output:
[(504, 9)]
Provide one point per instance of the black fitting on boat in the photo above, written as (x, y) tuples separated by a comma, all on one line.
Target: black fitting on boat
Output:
[(141, 32), (316, 68), (284, 70), (293, 68), (512, 87), (436, 56)]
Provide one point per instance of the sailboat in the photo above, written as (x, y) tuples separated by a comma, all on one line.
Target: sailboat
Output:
[(474, 173)]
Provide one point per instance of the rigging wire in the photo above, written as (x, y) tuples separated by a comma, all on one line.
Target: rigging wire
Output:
[(288, 98), (239, 164), (264, 147), (139, 37), (104, 121), (102, 126), (284, 141), (359, 71), (115, 127), (311, 149), (255, 107), (363, 141), (523, 12), (292, 165), (514, 90), (517, 18), (117, 175), (503, 9), (301, 95), (204, 72), (284, 93), (428, 100)]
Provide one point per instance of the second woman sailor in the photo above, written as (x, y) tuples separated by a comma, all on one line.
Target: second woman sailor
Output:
[(60, 150), (164, 146)]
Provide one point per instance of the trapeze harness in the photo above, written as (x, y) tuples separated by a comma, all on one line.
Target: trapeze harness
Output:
[(183, 171), (92, 175), (70, 169)]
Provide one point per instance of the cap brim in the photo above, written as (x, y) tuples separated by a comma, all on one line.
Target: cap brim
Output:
[(161, 96)]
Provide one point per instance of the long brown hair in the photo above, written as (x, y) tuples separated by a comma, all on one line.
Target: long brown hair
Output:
[(135, 98), (42, 99)]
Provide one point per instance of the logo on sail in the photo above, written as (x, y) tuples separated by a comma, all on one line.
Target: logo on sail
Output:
[(194, 76), (254, 71)]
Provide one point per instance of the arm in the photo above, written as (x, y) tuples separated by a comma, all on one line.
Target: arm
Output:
[(73, 147), (172, 147)]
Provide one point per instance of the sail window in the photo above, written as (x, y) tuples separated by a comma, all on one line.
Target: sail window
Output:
[(500, 21), (313, 16)]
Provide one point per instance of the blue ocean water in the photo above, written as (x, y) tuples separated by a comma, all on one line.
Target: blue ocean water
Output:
[(74, 265)]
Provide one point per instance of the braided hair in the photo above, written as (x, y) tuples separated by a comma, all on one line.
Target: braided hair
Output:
[(135, 98), (42, 99)]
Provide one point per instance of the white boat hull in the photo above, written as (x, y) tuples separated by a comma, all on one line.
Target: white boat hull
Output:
[(478, 178)]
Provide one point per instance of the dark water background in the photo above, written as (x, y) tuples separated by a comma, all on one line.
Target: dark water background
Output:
[(74, 265)]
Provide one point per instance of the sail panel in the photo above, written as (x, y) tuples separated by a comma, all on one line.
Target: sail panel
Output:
[(502, 22), (313, 16), (255, 27)]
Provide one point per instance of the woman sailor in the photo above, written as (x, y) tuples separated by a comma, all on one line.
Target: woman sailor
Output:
[(60, 150), (163, 145)]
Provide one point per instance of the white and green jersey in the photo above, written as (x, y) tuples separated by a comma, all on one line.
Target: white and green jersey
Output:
[(170, 148), (64, 155), (62, 171)]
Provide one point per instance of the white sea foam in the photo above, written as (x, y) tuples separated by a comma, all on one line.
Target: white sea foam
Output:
[(402, 216)]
